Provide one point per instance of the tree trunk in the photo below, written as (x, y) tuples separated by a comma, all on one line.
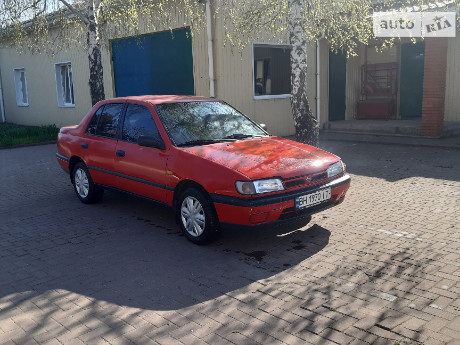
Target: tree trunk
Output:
[(306, 125), (96, 79)]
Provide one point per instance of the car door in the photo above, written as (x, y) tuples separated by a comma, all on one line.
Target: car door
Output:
[(100, 141), (141, 170)]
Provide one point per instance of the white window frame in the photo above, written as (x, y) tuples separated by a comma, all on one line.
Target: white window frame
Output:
[(254, 44), (20, 87), (60, 88)]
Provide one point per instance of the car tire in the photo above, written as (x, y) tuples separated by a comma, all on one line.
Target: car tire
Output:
[(197, 216), (84, 186)]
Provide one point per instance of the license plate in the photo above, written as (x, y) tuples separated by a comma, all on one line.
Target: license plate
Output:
[(313, 199)]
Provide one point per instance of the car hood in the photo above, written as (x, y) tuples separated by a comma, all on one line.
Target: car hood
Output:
[(266, 157)]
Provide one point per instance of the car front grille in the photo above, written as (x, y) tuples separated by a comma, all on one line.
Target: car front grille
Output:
[(309, 180)]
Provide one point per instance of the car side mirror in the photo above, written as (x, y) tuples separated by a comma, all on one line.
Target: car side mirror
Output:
[(151, 141), (263, 126)]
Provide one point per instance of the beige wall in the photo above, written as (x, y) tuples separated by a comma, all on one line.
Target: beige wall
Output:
[(452, 100), (388, 55), (43, 107), (234, 84), (324, 82), (41, 85), (233, 74), (353, 83)]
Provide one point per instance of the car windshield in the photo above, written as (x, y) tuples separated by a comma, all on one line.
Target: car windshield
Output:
[(205, 122)]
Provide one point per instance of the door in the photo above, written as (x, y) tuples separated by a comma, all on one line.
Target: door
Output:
[(141, 170), (154, 64), (337, 83), (412, 70), (100, 141)]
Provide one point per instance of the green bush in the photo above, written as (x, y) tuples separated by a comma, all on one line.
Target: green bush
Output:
[(13, 135)]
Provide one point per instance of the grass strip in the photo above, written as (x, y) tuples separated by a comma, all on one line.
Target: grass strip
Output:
[(15, 135)]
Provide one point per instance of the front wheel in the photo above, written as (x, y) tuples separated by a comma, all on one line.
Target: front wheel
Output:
[(84, 186), (197, 217)]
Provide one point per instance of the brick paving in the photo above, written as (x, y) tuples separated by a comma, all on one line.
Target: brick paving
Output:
[(382, 268)]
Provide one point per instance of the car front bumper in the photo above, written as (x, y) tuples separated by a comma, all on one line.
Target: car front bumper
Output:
[(278, 207)]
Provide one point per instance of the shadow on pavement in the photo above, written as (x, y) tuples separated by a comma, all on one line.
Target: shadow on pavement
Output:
[(142, 260), (120, 270)]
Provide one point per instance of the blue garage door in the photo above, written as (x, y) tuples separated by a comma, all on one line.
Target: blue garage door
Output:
[(154, 64)]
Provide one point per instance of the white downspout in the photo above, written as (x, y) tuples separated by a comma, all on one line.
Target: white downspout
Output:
[(318, 85), (210, 48), (2, 109)]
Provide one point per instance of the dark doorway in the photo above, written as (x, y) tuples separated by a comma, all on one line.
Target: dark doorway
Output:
[(154, 64), (412, 70), (337, 82)]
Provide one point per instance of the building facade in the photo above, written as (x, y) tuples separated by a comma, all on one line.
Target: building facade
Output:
[(415, 81)]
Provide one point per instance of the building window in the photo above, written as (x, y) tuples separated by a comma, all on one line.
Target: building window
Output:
[(64, 84), (272, 71), (20, 84)]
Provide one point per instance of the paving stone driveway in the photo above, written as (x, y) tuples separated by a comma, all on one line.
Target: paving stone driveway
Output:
[(382, 268)]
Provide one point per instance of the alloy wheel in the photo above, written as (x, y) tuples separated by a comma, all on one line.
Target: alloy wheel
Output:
[(81, 183), (192, 216)]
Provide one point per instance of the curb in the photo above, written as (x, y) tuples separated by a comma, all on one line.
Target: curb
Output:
[(27, 145), (443, 147), (399, 140)]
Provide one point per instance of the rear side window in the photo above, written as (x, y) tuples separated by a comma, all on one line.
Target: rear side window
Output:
[(108, 120), (91, 129), (138, 121)]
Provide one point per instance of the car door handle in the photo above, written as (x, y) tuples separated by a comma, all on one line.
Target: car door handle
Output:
[(120, 153), (84, 145)]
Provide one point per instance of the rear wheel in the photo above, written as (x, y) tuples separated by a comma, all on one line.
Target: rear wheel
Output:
[(197, 217), (84, 186)]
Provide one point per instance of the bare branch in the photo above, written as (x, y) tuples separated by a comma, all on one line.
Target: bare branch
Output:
[(75, 11)]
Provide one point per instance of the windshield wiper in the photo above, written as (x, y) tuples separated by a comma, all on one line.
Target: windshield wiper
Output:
[(201, 142), (232, 137), (242, 136)]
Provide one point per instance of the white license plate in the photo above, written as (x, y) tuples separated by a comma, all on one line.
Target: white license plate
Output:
[(313, 199)]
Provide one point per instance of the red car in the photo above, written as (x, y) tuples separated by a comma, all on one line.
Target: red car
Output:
[(202, 157)]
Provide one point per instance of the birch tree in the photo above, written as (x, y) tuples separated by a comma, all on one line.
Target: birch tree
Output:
[(50, 26), (342, 23), (306, 125)]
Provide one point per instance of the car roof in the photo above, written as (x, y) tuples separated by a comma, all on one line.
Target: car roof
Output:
[(159, 99)]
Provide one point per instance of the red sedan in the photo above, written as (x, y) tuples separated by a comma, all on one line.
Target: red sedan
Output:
[(202, 157)]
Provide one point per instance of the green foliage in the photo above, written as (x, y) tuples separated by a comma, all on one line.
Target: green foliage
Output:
[(50, 27), (28, 24), (13, 135), (343, 23), (141, 16)]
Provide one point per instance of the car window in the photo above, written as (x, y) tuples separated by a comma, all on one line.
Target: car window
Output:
[(138, 121), (91, 129), (108, 120), (190, 122)]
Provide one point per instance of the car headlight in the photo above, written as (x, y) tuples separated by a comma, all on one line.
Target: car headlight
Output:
[(259, 187), (335, 169)]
